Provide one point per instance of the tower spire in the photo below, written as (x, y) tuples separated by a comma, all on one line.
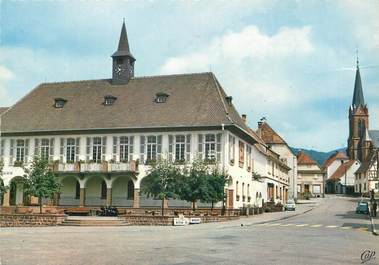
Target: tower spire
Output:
[(123, 60), (358, 99), (123, 44), (357, 58)]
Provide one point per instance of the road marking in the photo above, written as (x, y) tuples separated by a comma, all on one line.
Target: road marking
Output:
[(315, 225), (331, 226), (262, 224), (301, 225), (287, 225), (346, 227), (363, 229), (276, 224)]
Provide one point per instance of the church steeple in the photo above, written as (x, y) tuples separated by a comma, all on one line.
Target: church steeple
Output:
[(123, 60), (358, 99), (358, 121)]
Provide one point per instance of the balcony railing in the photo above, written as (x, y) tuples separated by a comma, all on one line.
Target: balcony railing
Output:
[(102, 167), (68, 167)]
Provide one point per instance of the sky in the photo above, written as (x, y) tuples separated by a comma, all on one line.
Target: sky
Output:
[(292, 62)]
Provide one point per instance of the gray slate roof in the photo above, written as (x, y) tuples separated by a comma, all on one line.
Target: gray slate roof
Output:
[(374, 135), (123, 44), (194, 100), (358, 99)]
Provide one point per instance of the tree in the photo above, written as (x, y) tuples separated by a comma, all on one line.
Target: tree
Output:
[(3, 188), (215, 186), (194, 184), (40, 181), (162, 182), (257, 176)]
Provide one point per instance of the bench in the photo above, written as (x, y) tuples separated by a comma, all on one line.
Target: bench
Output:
[(77, 211)]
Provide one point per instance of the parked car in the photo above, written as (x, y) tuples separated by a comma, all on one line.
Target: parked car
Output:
[(362, 207), (290, 205)]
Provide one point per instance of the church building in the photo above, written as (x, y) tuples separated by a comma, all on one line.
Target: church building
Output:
[(363, 143)]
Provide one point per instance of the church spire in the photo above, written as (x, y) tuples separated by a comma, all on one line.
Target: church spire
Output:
[(358, 99), (123, 60), (123, 44)]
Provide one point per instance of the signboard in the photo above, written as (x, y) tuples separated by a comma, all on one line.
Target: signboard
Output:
[(195, 220), (181, 221)]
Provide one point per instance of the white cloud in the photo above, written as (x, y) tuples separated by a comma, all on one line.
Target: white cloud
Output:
[(249, 43), (5, 74), (363, 16)]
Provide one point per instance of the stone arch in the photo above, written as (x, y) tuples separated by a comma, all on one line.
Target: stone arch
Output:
[(93, 194), (16, 192), (68, 193), (123, 191)]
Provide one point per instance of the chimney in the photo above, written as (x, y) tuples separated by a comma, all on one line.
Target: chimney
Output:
[(244, 118), (229, 100)]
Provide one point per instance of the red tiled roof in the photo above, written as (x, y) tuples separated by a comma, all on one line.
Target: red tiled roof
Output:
[(341, 170), (268, 134), (337, 155), (3, 109), (304, 159)]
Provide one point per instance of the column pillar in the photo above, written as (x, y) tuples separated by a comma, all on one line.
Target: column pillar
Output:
[(82, 198), (136, 198), (6, 198), (109, 196)]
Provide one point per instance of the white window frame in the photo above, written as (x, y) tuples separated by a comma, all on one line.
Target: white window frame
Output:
[(97, 149), (45, 149), (20, 150), (70, 150), (124, 148), (210, 146), (179, 147), (151, 147)]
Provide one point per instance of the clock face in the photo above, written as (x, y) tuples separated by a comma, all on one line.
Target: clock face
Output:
[(119, 69)]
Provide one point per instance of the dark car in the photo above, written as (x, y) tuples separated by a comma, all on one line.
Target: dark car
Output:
[(362, 207)]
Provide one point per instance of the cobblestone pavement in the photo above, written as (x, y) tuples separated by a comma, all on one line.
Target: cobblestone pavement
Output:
[(326, 233)]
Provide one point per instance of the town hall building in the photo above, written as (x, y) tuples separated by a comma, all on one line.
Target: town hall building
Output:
[(101, 136)]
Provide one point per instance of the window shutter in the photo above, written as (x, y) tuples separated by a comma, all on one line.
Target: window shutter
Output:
[(200, 145), (11, 151), (218, 146), (170, 147), (115, 149), (26, 150), (159, 147), (104, 148), (61, 150), (2, 150), (131, 147), (188, 147), (88, 149), (142, 149), (51, 157), (77, 149), (36, 147)]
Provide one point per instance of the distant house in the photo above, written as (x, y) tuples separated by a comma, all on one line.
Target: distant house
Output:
[(343, 179), (339, 170), (310, 177), (287, 160)]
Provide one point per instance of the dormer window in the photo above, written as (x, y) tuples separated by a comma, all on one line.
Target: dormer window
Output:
[(109, 100), (59, 103), (161, 97)]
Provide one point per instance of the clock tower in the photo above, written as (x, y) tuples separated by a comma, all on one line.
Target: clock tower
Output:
[(123, 61)]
